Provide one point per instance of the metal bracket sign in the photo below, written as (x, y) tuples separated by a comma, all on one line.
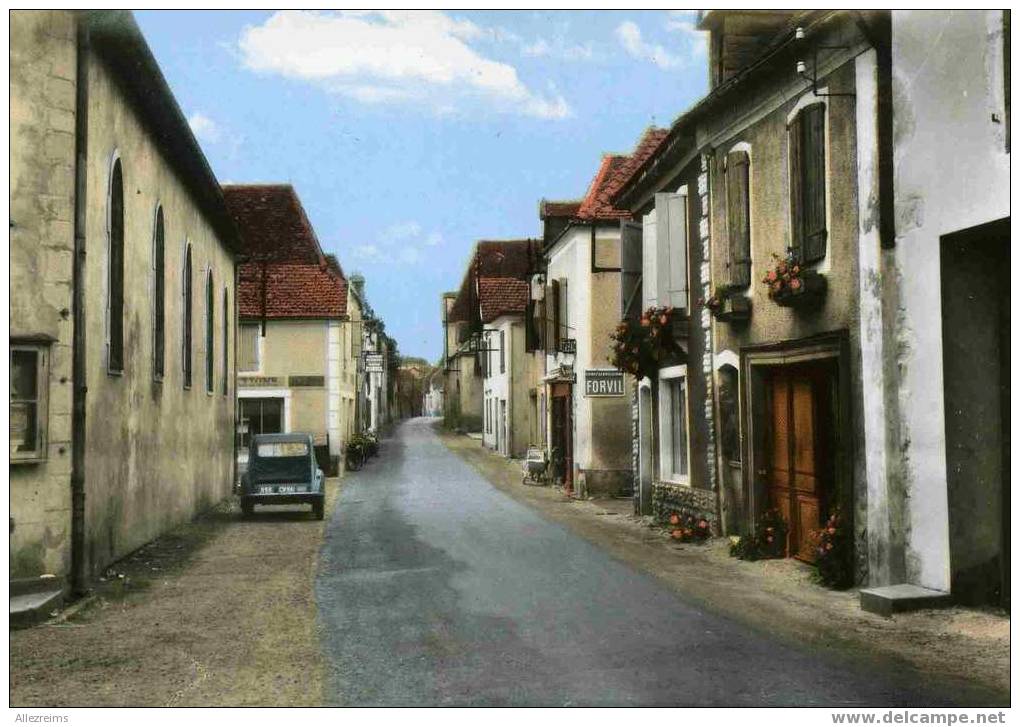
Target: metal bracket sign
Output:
[(568, 345), (374, 363), (603, 382)]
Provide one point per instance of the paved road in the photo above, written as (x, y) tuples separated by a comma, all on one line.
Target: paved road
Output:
[(436, 589)]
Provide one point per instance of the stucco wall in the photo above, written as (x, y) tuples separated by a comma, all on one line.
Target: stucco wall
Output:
[(42, 97), (157, 452), (947, 84)]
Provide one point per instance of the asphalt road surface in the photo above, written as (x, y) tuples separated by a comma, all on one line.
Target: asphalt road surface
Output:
[(434, 588)]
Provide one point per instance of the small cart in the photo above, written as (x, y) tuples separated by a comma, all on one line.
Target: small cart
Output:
[(534, 467)]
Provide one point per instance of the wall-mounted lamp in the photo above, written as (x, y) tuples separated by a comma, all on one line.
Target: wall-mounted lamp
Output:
[(812, 76)]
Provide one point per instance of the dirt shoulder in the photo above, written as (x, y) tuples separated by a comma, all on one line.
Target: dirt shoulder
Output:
[(966, 649), (219, 612)]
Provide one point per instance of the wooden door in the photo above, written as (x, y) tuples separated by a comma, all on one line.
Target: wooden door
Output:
[(796, 484)]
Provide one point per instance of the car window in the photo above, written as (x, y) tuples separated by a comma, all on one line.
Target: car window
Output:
[(283, 449)]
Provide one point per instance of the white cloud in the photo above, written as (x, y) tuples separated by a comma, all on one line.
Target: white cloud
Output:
[(392, 57), (559, 49), (204, 128), (680, 22), (404, 243), (693, 43)]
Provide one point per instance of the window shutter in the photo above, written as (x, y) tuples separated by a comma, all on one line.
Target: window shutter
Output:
[(565, 310), (630, 270), (738, 218), (554, 303), (649, 260), (671, 255), (813, 149), (662, 223), (796, 185), (502, 352)]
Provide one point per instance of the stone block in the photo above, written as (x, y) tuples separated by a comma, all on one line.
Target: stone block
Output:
[(887, 600)]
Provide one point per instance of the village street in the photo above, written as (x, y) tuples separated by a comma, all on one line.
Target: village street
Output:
[(435, 588), (439, 579)]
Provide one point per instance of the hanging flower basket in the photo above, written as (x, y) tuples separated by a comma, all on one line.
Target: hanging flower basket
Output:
[(793, 286), (641, 346), (729, 306)]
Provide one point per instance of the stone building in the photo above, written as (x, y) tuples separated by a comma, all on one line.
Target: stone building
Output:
[(588, 431), (122, 365), (297, 348)]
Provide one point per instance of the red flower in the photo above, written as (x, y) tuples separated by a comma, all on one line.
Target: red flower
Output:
[(702, 524), (795, 284), (771, 276), (645, 323), (674, 519), (662, 319)]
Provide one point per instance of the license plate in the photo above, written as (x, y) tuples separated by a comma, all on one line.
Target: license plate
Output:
[(286, 489)]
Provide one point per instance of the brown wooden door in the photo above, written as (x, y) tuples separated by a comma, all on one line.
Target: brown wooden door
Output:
[(795, 480)]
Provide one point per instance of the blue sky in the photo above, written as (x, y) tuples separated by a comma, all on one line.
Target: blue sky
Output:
[(408, 136)]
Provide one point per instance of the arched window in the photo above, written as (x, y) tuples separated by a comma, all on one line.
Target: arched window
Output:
[(115, 298), (209, 332), (158, 298), (186, 317), (226, 342)]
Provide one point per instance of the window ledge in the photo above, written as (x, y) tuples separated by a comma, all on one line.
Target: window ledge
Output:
[(28, 460)]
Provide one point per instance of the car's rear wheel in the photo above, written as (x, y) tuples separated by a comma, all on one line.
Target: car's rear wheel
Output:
[(319, 509), (247, 508)]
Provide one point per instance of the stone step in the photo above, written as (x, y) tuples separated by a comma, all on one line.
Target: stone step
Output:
[(887, 600)]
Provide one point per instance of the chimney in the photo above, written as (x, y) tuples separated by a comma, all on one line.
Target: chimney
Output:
[(358, 283)]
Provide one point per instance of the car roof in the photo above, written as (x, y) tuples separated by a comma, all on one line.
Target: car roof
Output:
[(289, 437)]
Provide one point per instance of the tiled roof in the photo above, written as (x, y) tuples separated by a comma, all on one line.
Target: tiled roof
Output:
[(614, 172), (493, 259), (272, 222), (293, 290), (502, 296), (553, 208)]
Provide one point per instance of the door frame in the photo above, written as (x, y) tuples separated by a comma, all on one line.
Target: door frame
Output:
[(755, 361)]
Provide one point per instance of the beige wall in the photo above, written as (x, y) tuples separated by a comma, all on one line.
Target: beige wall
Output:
[(770, 221), (42, 96), (157, 453), (294, 348)]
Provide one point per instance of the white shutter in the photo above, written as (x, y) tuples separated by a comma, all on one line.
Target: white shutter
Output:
[(672, 253), (649, 246)]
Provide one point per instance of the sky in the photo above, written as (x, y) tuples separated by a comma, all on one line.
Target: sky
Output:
[(410, 135)]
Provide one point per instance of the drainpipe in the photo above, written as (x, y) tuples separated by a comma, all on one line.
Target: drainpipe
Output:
[(79, 584)]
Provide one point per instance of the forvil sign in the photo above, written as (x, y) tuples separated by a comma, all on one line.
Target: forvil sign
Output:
[(603, 382)]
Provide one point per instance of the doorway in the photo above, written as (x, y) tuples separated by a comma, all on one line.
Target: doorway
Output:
[(562, 435), (646, 436), (975, 352), (799, 476), (260, 416)]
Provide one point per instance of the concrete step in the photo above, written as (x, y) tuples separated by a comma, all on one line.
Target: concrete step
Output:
[(28, 608), (887, 600)]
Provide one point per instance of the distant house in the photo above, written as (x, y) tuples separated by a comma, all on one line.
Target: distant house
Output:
[(464, 328), (589, 431), (297, 363), (121, 361), (511, 369)]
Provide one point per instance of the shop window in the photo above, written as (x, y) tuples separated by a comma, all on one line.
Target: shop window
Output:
[(260, 416), (29, 379), (673, 432)]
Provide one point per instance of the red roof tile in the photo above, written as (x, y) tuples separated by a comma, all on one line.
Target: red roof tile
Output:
[(493, 259), (614, 172), (551, 208), (293, 290), (502, 296), (272, 222)]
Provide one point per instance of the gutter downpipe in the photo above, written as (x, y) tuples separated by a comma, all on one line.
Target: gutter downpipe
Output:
[(79, 581)]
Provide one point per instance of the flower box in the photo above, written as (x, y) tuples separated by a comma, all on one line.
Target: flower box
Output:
[(810, 292), (732, 308)]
